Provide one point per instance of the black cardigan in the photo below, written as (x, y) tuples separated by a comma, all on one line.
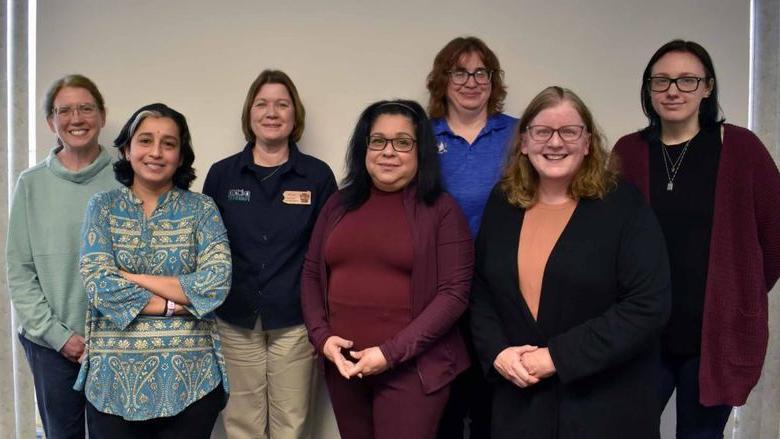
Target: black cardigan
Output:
[(605, 298)]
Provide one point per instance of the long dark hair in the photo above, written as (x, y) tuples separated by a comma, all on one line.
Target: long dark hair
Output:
[(184, 174), (709, 109), (357, 184)]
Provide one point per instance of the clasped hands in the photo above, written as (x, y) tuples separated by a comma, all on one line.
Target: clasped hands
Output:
[(370, 361), (524, 365)]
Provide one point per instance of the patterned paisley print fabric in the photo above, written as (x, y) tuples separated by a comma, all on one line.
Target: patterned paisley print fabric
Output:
[(137, 366)]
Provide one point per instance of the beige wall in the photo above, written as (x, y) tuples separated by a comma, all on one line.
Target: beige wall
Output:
[(200, 56)]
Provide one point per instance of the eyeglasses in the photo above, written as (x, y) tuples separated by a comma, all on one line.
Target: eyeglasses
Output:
[(66, 111), (461, 76), (400, 144), (567, 133), (685, 84)]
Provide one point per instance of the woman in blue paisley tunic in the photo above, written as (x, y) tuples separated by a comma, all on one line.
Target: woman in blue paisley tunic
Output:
[(155, 261)]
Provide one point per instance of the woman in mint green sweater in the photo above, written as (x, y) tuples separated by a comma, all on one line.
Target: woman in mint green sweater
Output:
[(42, 252)]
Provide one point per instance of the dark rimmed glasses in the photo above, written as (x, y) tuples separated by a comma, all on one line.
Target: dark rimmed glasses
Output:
[(461, 76), (567, 133), (400, 144), (686, 84)]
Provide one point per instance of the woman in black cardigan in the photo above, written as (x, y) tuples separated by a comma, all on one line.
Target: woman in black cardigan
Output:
[(572, 353)]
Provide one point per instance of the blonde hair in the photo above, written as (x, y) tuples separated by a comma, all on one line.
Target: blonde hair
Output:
[(594, 179)]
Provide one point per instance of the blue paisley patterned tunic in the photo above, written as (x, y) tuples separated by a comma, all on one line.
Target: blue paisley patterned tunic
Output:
[(137, 366)]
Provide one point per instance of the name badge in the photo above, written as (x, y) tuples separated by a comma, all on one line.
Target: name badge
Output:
[(239, 195), (296, 197)]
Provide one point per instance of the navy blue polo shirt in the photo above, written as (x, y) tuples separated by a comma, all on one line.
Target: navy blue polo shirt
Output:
[(470, 171), (269, 217)]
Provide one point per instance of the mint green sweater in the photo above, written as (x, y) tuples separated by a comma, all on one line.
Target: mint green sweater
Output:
[(42, 253)]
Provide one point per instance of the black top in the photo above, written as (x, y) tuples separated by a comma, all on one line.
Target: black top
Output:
[(685, 214), (269, 214), (605, 298)]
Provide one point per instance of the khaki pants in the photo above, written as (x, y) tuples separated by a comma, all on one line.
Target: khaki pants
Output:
[(271, 375)]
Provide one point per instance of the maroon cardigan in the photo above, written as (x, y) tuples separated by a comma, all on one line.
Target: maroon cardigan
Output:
[(744, 260), (440, 286)]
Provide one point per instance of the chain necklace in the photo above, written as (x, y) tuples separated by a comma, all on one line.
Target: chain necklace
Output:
[(673, 166), (271, 174), (668, 155)]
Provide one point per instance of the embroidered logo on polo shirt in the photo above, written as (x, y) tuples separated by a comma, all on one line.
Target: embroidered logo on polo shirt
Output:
[(442, 148), (296, 197), (239, 195)]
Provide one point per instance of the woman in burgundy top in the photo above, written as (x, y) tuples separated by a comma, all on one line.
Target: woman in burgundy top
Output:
[(386, 277), (716, 193)]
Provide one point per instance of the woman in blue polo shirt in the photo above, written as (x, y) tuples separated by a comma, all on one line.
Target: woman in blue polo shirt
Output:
[(467, 92), (269, 195)]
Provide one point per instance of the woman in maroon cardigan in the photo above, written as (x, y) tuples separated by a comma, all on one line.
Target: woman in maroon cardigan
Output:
[(385, 279), (716, 192)]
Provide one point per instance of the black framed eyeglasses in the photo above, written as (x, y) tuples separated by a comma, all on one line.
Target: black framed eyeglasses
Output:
[(461, 76), (567, 133), (400, 144), (686, 84)]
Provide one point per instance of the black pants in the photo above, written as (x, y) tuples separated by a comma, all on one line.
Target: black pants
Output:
[(61, 407), (471, 398), (195, 422), (694, 421)]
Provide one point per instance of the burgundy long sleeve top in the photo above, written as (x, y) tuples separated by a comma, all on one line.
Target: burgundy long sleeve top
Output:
[(443, 265), (370, 259)]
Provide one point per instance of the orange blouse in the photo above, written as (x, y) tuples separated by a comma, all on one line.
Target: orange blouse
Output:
[(542, 226)]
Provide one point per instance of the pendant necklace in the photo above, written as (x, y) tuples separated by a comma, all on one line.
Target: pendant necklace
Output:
[(673, 166)]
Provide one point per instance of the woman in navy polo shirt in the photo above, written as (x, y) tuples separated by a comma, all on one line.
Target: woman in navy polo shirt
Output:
[(269, 195), (467, 92)]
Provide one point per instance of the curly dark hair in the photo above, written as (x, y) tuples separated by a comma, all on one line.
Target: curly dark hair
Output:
[(184, 174)]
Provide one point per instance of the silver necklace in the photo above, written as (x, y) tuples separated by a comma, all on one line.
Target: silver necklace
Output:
[(673, 166), (271, 174)]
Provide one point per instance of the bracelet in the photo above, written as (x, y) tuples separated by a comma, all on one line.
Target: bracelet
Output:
[(170, 307)]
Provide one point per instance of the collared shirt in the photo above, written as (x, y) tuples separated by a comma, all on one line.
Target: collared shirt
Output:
[(471, 170), (139, 366), (269, 217)]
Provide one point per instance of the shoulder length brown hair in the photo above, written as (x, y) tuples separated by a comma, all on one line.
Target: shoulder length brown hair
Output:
[(447, 58), (594, 179), (273, 77)]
